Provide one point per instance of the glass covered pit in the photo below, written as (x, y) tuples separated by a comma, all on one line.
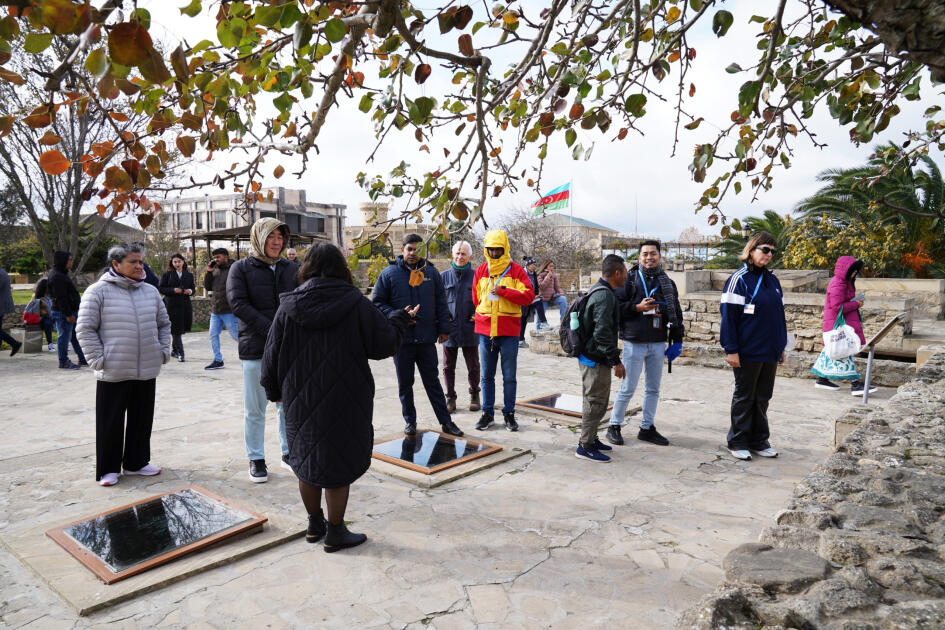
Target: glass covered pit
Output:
[(431, 451), (567, 404), (134, 538)]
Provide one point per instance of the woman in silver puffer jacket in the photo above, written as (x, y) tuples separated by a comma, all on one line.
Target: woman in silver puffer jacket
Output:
[(126, 334)]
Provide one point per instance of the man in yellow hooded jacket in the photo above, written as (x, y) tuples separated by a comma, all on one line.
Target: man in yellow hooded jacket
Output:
[(500, 289)]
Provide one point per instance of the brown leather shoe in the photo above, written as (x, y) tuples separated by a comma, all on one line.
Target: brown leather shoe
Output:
[(451, 404), (474, 404)]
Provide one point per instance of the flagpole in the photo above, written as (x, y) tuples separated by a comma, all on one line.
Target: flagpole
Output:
[(571, 208)]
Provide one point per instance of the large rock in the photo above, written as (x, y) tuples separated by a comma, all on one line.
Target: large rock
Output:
[(774, 570)]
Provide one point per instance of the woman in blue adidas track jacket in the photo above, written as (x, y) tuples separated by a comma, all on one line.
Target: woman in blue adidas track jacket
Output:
[(753, 335)]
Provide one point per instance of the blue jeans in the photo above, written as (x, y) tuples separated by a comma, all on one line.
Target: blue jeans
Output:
[(560, 301), (65, 329), (489, 350), (636, 357), (254, 419), (423, 356), (217, 323)]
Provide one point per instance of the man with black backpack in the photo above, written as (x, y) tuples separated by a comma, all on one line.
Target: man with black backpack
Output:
[(598, 353)]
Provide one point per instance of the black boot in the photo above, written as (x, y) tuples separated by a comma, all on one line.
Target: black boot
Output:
[(613, 434), (485, 420), (510, 422), (317, 526), (339, 538)]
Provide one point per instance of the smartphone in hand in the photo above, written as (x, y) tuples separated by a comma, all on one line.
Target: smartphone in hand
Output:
[(859, 297)]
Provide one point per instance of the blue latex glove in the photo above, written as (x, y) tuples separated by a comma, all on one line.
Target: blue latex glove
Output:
[(673, 351)]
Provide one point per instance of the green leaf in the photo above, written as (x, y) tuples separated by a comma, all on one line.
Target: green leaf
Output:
[(738, 189), (603, 76), (335, 30), (37, 42), (225, 34), (577, 152), (477, 26), (736, 224), (733, 68), (142, 16), (283, 102), (695, 5), (290, 15), (721, 22), (740, 150), (746, 96), (191, 9), (268, 15), (570, 136), (366, 102), (758, 18), (96, 62), (635, 104)]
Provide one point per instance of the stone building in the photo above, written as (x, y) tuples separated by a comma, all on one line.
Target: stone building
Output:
[(222, 216), (594, 234), (374, 220)]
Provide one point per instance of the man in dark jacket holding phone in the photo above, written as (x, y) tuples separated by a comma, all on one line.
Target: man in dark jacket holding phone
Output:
[(650, 316), (252, 289), (221, 314)]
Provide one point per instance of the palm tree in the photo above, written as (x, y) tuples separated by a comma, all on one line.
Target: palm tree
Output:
[(778, 225), (914, 197)]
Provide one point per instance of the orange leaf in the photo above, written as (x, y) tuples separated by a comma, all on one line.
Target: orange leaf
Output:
[(101, 209), (422, 72), (118, 116), (129, 44), (692, 89), (117, 179), (466, 45), (673, 56), (102, 149), (577, 110), (6, 125), (145, 220), (54, 162), (186, 144), (49, 138), (11, 77), (42, 116), (277, 173)]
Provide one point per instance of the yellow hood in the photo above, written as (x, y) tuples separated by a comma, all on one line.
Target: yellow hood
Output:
[(497, 238), (257, 238)]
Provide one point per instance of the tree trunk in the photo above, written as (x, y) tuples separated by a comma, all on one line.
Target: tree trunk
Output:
[(913, 28)]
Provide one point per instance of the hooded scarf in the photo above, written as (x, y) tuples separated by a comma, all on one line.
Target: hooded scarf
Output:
[(497, 238), (257, 239), (60, 260)]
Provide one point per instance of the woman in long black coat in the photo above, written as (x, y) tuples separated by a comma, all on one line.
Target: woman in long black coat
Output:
[(177, 285), (316, 363)]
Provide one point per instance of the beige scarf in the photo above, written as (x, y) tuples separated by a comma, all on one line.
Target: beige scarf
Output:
[(257, 239)]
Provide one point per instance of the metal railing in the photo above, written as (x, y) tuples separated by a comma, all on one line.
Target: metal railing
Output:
[(871, 345)]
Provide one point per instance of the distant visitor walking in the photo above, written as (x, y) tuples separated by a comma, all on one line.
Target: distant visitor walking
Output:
[(177, 285), (6, 306), (316, 365), (65, 302), (124, 327), (753, 335), (221, 315)]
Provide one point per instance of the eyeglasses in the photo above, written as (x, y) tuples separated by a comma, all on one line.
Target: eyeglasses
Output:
[(766, 250)]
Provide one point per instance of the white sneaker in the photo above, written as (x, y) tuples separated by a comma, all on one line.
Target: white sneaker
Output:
[(741, 454), (768, 452), (51, 347), (108, 479), (148, 470)]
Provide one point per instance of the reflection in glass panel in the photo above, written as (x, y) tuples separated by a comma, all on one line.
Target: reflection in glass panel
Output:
[(558, 402), (139, 533), (429, 449)]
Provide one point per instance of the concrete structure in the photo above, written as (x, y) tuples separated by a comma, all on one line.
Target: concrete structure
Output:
[(115, 229), (209, 213)]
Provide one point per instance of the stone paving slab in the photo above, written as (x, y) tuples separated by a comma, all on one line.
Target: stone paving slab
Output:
[(569, 543)]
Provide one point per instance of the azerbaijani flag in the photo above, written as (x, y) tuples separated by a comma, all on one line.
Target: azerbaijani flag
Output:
[(554, 200)]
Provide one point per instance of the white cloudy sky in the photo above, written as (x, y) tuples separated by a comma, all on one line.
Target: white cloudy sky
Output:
[(605, 189)]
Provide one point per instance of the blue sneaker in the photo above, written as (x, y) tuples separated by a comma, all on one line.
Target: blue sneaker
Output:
[(600, 446), (591, 454)]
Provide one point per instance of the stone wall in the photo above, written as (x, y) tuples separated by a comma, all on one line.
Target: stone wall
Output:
[(862, 543)]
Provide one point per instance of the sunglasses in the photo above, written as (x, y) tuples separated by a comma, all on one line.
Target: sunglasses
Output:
[(766, 250)]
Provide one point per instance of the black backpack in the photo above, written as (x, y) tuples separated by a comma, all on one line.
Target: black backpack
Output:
[(573, 341)]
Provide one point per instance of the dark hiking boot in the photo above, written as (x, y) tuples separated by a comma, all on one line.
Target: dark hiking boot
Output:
[(652, 436), (613, 434), (451, 404), (410, 428), (317, 527), (474, 404), (338, 538), (485, 421)]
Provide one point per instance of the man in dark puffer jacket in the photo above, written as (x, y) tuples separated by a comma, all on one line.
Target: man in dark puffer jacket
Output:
[(65, 301), (253, 289)]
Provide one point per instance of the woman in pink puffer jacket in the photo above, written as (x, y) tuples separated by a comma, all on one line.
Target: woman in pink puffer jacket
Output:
[(840, 293)]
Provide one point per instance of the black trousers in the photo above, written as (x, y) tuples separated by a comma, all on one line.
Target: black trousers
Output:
[(754, 384), (423, 356), (118, 445), (177, 344)]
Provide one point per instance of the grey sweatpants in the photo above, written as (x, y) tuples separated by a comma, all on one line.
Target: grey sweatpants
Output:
[(596, 386)]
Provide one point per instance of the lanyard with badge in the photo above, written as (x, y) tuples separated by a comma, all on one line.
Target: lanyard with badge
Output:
[(750, 307), (493, 296), (647, 293)]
